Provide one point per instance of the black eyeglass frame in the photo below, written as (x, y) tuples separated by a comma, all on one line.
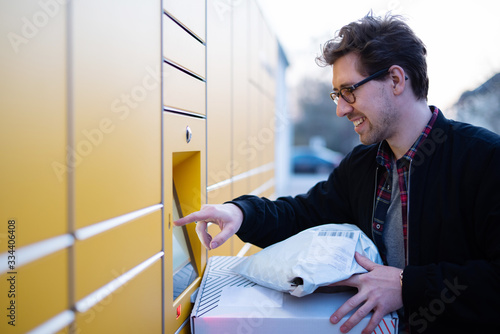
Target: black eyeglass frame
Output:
[(335, 95)]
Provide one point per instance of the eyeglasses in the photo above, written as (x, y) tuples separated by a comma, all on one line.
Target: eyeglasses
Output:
[(347, 93)]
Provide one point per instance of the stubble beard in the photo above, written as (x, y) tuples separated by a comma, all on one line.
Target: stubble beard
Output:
[(383, 128)]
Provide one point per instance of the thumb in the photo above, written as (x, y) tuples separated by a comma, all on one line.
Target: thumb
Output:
[(364, 262), (221, 238)]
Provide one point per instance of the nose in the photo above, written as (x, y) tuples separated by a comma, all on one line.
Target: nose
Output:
[(343, 108)]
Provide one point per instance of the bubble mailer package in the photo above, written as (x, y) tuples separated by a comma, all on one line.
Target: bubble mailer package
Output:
[(313, 258)]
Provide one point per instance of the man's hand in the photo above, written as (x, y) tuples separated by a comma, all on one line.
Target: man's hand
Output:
[(379, 290), (228, 216)]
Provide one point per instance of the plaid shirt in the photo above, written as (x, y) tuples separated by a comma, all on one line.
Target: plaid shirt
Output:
[(383, 200)]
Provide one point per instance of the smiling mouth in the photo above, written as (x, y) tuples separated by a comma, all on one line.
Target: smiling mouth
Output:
[(359, 121)]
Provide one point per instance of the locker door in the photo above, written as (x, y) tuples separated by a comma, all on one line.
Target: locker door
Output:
[(117, 107), (33, 178)]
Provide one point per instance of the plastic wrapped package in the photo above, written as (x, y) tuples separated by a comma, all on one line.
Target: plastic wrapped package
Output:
[(313, 258)]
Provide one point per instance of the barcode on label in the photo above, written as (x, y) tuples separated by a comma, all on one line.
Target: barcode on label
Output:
[(345, 234)]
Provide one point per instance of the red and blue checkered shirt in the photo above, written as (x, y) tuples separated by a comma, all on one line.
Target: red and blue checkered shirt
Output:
[(383, 199)]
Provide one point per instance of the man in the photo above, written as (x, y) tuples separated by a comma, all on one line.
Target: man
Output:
[(424, 188)]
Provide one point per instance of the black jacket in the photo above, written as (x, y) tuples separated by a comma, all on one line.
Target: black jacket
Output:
[(452, 281)]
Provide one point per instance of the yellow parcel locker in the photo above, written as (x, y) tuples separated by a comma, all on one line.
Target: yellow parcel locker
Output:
[(183, 92), (117, 106), (104, 257), (270, 60), (182, 49), (33, 139), (184, 168), (219, 123), (254, 146), (134, 307), (37, 292), (255, 46), (240, 108), (190, 13), (267, 133)]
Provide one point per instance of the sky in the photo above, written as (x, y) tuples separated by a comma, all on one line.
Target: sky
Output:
[(462, 37)]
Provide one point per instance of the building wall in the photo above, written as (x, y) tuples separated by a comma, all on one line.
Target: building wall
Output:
[(105, 106)]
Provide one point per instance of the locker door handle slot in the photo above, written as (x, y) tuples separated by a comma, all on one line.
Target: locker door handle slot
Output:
[(189, 134)]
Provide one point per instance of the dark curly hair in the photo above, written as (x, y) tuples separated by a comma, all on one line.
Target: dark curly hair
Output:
[(380, 43)]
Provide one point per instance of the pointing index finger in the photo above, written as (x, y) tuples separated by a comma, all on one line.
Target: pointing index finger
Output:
[(191, 218)]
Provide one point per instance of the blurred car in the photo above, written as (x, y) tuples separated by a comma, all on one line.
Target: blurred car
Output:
[(314, 160)]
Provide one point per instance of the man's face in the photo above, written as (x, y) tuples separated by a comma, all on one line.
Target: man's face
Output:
[(373, 114)]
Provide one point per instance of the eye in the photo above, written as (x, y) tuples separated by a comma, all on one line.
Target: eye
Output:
[(348, 95), (346, 91)]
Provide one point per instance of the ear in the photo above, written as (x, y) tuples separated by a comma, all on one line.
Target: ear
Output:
[(398, 79)]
